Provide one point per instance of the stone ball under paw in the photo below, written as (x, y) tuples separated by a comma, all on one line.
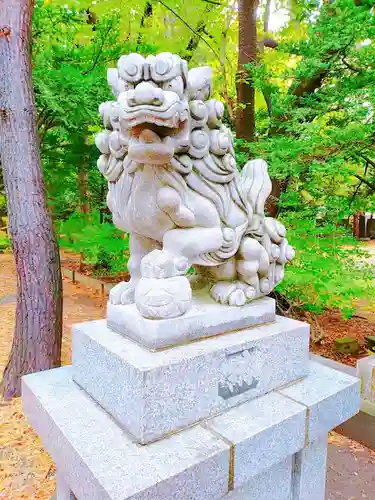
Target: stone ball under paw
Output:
[(163, 298)]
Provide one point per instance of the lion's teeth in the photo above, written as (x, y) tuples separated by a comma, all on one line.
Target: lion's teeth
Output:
[(148, 136), (167, 140)]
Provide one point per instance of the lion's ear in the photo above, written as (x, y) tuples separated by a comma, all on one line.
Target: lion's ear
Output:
[(200, 83)]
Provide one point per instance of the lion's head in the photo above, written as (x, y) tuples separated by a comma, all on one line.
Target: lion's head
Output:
[(162, 111), (154, 106)]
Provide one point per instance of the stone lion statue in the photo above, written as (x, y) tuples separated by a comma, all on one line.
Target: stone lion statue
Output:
[(175, 187)]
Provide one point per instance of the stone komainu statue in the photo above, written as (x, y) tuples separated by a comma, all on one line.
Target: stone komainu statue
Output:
[(174, 186)]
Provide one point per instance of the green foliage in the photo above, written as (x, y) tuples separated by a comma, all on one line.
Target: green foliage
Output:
[(101, 245), (319, 135), (328, 271), (315, 100), (4, 242), (70, 59)]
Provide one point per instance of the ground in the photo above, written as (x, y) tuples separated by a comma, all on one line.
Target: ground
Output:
[(351, 470), (26, 470)]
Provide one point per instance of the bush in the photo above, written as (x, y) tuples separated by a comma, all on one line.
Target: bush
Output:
[(101, 245), (4, 242), (329, 270)]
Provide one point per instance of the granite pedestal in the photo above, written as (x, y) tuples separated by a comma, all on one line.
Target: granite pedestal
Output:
[(152, 394), (205, 318), (243, 415)]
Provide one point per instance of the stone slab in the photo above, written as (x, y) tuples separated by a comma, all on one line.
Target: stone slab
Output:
[(63, 492), (67, 273), (309, 471), (99, 461), (366, 372), (205, 318), (263, 432), (272, 484), (154, 394), (332, 397)]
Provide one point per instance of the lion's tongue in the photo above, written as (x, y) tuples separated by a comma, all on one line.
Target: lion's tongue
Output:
[(149, 136)]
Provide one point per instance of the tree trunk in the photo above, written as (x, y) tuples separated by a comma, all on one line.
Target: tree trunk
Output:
[(267, 42), (247, 53), (83, 182), (147, 13), (83, 178), (37, 337), (266, 19)]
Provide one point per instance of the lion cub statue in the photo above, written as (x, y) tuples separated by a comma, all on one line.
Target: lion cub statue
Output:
[(174, 186)]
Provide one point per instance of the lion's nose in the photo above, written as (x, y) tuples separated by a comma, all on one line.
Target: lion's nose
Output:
[(145, 93)]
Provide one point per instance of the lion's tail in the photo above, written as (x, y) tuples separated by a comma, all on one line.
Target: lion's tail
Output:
[(256, 185)]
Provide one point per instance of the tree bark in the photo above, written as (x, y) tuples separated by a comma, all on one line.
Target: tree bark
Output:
[(37, 336), (83, 182), (247, 53), (147, 13), (83, 178), (266, 18)]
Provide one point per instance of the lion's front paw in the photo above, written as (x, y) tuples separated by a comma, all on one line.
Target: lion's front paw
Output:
[(233, 293), (163, 298), (161, 264), (123, 293)]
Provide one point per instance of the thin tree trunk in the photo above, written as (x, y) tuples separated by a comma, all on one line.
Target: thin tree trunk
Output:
[(147, 13), (37, 337), (247, 53), (83, 180), (223, 49), (262, 44), (266, 19)]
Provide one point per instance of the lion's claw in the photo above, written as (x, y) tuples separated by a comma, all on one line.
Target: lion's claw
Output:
[(234, 294), (122, 293), (161, 264)]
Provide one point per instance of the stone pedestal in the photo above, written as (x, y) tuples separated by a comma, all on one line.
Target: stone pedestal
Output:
[(242, 415), (152, 394)]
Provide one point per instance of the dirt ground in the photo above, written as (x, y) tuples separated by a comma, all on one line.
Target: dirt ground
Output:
[(334, 326), (350, 470), (26, 470)]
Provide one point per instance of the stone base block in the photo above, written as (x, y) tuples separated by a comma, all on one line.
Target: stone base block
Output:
[(63, 492), (309, 471), (299, 477), (332, 397), (233, 456), (366, 372), (205, 318), (99, 461), (152, 394), (262, 433), (273, 484)]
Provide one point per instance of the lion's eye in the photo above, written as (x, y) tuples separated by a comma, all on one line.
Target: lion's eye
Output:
[(175, 85)]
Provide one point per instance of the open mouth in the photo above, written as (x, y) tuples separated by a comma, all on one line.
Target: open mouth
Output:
[(170, 118), (162, 131), (154, 138)]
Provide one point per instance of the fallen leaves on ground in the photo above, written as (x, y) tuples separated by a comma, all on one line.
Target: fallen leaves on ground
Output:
[(26, 469), (334, 326), (353, 446), (73, 262)]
